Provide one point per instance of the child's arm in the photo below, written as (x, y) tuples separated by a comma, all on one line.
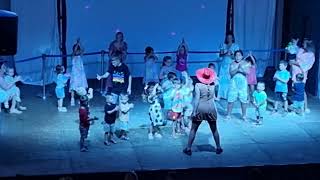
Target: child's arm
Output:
[(129, 85), (113, 110), (103, 76)]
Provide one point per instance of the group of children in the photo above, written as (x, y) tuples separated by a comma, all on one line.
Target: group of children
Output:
[(170, 95)]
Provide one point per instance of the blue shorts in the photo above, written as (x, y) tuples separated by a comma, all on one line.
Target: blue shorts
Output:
[(109, 128), (60, 93), (3, 96), (123, 125)]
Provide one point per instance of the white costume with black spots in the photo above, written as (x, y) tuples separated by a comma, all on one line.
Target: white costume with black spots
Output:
[(155, 113)]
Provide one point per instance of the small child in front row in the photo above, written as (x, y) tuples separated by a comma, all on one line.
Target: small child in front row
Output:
[(216, 81), (260, 102), (298, 97), (61, 81), (176, 113), (111, 111), (155, 111), (9, 78), (124, 108), (85, 121), (281, 77)]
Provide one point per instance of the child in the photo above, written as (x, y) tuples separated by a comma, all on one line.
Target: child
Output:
[(167, 87), (177, 108), (78, 76), (124, 108), (216, 82), (187, 91), (292, 49), (182, 56), (281, 77), (61, 81), (121, 77), (251, 76), (14, 90), (260, 102), (155, 111), (85, 122), (298, 97), (166, 67), (151, 69), (110, 111)]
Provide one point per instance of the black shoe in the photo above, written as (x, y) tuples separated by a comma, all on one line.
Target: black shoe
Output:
[(187, 151), (219, 150)]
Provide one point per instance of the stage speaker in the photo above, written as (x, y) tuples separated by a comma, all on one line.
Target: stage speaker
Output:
[(8, 33)]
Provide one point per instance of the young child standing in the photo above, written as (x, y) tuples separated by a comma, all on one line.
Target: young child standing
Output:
[(166, 67), (177, 108), (124, 108), (281, 77), (155, 110), (292, 49), (187, 91), (61, 81), (85, 121), (260, 102), (14, 90), (151, 69), (298, 97), (182, 56), (252, 74), (110, 110), (167, 87)]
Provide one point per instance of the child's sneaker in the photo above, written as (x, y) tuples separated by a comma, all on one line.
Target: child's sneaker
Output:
[(107, 143), (307, 111), (150, 136), (84, 149), (62, 109), (125, 138), (22, 108), (158, 135), (15, 111), (113, 141)]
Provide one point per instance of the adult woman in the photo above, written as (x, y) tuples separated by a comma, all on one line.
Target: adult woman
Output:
[(226, 53), (304, 62), (4, 87), (204, 108), (78, 77), (238, 88), (117, 47)]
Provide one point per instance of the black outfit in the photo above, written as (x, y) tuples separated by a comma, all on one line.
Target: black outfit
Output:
[(120, 78), (110, 118)]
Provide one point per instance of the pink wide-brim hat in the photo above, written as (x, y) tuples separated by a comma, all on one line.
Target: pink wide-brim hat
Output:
[(206, 75)]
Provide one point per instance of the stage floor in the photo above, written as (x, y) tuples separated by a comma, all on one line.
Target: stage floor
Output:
[(42, 141)]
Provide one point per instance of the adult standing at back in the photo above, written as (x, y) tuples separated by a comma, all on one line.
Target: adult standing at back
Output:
[(227, 50), (304, 62)]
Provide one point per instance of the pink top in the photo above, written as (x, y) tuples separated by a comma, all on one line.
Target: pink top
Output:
[(306, 61), (181, 62), (252, 76)]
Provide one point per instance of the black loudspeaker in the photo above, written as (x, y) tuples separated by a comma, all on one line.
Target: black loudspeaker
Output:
[(8, 33)]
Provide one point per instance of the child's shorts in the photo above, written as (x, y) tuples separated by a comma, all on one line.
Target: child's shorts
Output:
[(124, 125), (83, 131), (109, 128), (60, 93), (281, 96), (298, 104), (238, 89)]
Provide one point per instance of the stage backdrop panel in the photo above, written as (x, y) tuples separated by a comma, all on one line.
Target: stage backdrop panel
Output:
[(160, 24)]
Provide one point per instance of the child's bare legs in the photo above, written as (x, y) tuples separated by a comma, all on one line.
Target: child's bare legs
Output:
[(174, 125), (244, 110), (275, 108), (285, 104), (251, 90), (106, 139), (6, 104), (72, 101), (150, 134), (229, 109), (13, 108), (60, 106)]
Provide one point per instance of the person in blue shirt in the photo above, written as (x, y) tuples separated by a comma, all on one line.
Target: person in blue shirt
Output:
[(61, 81), (281, 77), (298, 97)]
